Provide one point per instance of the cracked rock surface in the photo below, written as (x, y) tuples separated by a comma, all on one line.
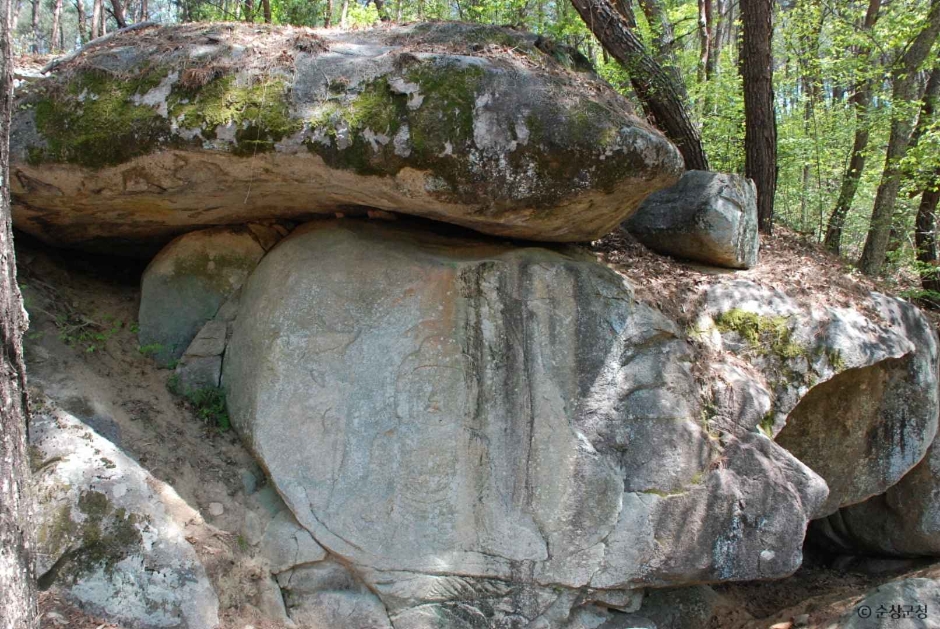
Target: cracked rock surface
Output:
[(482, 432)]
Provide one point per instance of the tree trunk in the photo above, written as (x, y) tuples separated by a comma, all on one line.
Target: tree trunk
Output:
[(17, 578), (706, 36), (654, 86), (95, 19), (664, 41), (344, 13), (15, 20), (328, 18), (861, 100), (144, 11), (35, 26), (904, 91), (56, 25), (266, 9), (925, 236), (760, 125), (82, 21), (117, 8), (249, 11)]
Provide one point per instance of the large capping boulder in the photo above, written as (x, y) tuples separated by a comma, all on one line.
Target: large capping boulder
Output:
[(111, 536), (485, 431), (707, 217), (851, 392), (173, 128), (187, 283)]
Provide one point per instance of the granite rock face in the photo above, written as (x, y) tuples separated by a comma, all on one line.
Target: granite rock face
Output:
[(185, 286), (707, 217), (482, 429), (851, 392), (175, 128), (111, 536)]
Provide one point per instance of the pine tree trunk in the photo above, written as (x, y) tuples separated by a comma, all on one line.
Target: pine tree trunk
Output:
[(655, 86), (17, 578), (95, 19), (82, 21), (925, 235), (760, 124), (861, 101), (56, 25), (117, 8), (904, 90), (34, 48)]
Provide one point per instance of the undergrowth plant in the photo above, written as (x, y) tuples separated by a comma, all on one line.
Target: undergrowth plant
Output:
[(208, 402)]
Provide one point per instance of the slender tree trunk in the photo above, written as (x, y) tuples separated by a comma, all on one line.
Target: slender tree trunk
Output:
[(861, 101), (344, 13), (117, 8), (249, 11), (56, 25), (664, 41), (144, 11), (266, 9), (328, 18), (904, 91), (654, 86), (925, 236), (82, 21), (17, 570), (706, 35), (15, 20), (760, 124), (35, 26), (95, 19)]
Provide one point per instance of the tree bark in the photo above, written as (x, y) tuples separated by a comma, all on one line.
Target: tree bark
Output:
[(144, 11), (95, 19), (328, 18), (925, 236), (861, 101), (82, 21), (664, 42), (380, 7), (56, 26), (17, 577), (249, 11), (654, 86), (266, 9), (344, 13), (904, 91), (117, 8), (706, 35), (35, 27), (760, 125)]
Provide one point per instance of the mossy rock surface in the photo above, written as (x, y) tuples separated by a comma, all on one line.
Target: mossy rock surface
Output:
[(110, 536), (177, 127)]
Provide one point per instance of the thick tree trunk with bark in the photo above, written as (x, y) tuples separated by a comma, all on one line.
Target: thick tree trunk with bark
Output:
[(17, 579), (266, 10), (96, 19), (144, 11), (861, 100), (904, 91), (117, 8), (654, 85), (760, 124)]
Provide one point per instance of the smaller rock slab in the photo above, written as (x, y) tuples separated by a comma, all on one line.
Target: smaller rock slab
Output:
[(110, 535), (708, 217), (914, 593)]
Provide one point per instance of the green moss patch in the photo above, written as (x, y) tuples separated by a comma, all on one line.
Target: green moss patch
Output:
[(763, 334), (260, 111), (95, 123)]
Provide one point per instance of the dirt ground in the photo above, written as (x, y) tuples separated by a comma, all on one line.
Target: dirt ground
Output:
[(82, 353)]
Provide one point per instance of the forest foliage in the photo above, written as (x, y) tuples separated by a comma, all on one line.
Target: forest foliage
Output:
[(825, 54)]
